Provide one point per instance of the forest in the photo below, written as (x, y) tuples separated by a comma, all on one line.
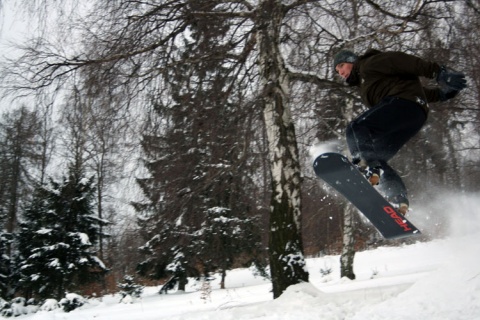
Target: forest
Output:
[(163, 140)]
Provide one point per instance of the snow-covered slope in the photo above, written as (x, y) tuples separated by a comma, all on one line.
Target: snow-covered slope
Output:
[(433, 280)]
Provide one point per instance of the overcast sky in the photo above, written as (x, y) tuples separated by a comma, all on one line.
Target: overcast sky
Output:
[(13, 29)]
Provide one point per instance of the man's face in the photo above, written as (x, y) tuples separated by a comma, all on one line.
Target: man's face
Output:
[(344, 69)]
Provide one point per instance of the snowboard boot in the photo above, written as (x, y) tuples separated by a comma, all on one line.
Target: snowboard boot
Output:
[(371, 173), (403, 208), (400, 202)]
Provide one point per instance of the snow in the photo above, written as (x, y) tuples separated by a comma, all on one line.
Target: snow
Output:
[(84, 239), (44, 231), (324, 147), (84, 181), (437, 280), (49, 305), (54, 263), (99, 262)]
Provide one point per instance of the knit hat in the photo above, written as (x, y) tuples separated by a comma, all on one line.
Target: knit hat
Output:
[(344, 56)]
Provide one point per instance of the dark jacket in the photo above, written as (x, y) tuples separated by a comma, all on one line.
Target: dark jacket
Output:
[(395, 74)]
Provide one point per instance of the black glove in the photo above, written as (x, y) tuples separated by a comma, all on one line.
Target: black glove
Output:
[(451, 79), (447, 94)]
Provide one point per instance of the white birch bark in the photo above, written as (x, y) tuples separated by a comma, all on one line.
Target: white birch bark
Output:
[(285, 244), (348, 247), (348, 242)]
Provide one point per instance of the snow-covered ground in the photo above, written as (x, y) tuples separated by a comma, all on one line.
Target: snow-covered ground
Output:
[(430, 280)]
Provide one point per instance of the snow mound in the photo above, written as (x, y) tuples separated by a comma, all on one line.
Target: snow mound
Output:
[(450, 292)]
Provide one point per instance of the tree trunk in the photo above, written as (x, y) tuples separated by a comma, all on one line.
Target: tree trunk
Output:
[(287, 263), (348, 248), (182, 282), (222, 282), (348, 241)]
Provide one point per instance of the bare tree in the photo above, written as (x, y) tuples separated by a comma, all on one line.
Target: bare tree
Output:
[(19, 152)]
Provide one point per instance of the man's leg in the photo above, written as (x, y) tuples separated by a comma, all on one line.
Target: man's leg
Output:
[(392, 185), (379, 133)]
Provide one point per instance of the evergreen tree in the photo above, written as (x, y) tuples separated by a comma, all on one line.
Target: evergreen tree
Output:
[(57, 237), (197, 169), (129, 288), (227, 237), (200, 184), (5, 263)]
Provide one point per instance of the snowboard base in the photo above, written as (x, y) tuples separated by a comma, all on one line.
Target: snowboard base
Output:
[(338, 172)]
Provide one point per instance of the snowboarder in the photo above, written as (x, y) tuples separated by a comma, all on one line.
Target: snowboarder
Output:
[(398, 108)]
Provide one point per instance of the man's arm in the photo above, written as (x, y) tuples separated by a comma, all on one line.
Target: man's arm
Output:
[(439, 94), (403, 63)]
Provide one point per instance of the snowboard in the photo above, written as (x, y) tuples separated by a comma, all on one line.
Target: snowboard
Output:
[(337, 171)]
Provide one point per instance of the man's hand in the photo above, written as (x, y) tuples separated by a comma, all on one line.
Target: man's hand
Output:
[(447, 93), (450, 79)]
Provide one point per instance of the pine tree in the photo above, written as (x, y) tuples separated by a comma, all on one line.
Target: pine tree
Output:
[(5, 264), (228, 236), (57, 237), (128, 288), (200, 183)]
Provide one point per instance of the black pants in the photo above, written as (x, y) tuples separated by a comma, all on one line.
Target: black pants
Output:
[(378, 134)]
